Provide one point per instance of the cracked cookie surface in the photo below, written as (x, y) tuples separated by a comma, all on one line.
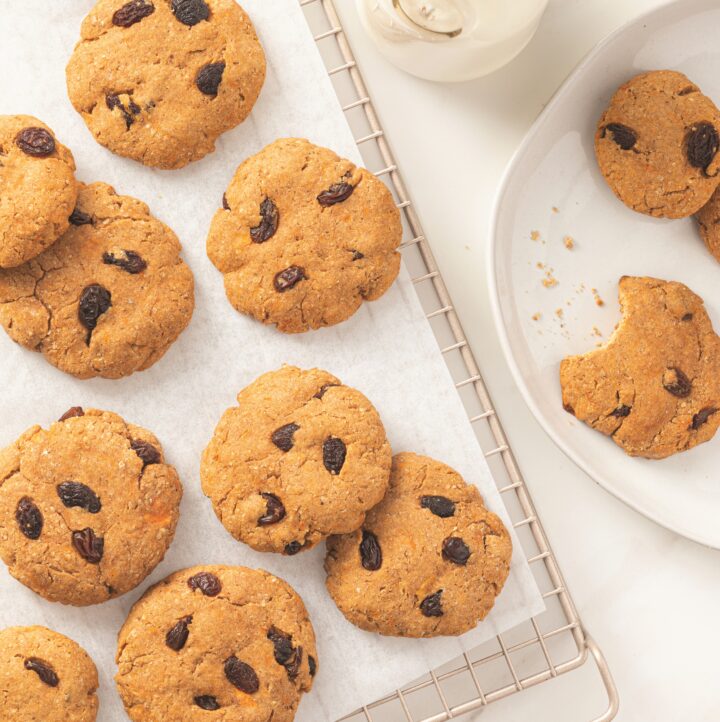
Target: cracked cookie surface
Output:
[(301, 457), (654, 387), (657, 142), (45, 677), (304, 237), (109, 297), (429, 560), (37, 188), (88, 507), (160, 80), (225, 642)]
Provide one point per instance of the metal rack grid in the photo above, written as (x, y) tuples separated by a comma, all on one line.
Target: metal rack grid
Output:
[(554, 642)]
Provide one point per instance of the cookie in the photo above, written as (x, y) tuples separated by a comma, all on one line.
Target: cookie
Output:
[(708, 218), (654, 387), (109, 297), (37, 188), (160, 80), (304, 237), (222, 639), (429, 559), (88, 507), (45, 677), (657, 145), (300, 458)]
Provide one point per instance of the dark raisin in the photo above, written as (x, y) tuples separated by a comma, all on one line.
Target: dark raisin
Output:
[(323, 389), (337, 193), (95, 300), (112, 100), (72, 412), (225, 203), (687, 90), (177, 635), (29, 518), (269, 220), (283, 437), (190, 12), (290, 277), (275, 510), (73, 493), (130, 261), (312, 664), (357, 255), (687, 317), (206, 701), (455, 550), (701, 145), (146, 451), (293, 548), (36, 142), (431, 606), (88, 546), (43, 670), (209, 78), (334, 452), (701, 417), (293, 666), (621, 412), (370, 551), (439, 505), (206, 582), (132, 12), (79, 218), (282, 643), (676, 382), (241, 675), (622, 135)]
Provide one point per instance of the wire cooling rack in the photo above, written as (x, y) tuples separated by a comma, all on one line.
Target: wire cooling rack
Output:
[(553, 643)]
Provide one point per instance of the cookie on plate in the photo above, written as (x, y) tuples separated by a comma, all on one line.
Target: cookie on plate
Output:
[(654, 387), (88, 507), (708, 218), (302, 457), (304, 237), (657, 145), (109, 297), (46, 676), (160, 80), (37, 188), (429, 560), (229, 640)]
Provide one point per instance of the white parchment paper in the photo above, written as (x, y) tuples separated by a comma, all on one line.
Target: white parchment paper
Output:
[(386, 350)]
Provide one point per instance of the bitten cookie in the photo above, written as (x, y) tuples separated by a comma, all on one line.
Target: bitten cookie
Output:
[(657, 145), (45, 677), (300, 458), (708, 219), (234, 641), (160, 80), (654, 387), (37, 188), (429, 559), (109, 297), (88, 507), (304, 237)]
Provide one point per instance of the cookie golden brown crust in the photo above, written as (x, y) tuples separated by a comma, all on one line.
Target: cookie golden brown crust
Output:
[(301, 457), (160, 80), (708, 219), (655, 386), (88, 507), (224, 642), (304, 237), (657, 145), (45, 677), (37, 188), (429, 560)]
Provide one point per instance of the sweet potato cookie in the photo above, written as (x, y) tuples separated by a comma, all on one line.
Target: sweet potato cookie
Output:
[(655, 386), (429, 559), (657, 145), (304, 237)]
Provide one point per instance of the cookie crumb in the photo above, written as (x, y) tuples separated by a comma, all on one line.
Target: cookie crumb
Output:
[(596, 296), (596, 331), (534, 235), (536, 316), (559, 312), (555, 209), (569, 242)]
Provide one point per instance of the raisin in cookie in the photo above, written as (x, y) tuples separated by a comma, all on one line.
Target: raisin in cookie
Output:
[(654, 387), (300, 458), (160, 80), (708, 218), (657, 145), (304, 237), (109, 297), (222, 639), (45, 677), (37, 188), (429, 559), (88, 507)]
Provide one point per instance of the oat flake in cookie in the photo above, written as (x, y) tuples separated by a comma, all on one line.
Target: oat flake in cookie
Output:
[(88, 507), (654, 387), (160, 80), (304, 237), (216, 642), (429, 559), (657, 145), (301, 457)]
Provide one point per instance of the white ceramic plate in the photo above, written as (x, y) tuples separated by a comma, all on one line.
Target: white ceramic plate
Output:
[(553, 187)]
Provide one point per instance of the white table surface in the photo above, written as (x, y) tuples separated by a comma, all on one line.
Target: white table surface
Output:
[(649, 597)]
